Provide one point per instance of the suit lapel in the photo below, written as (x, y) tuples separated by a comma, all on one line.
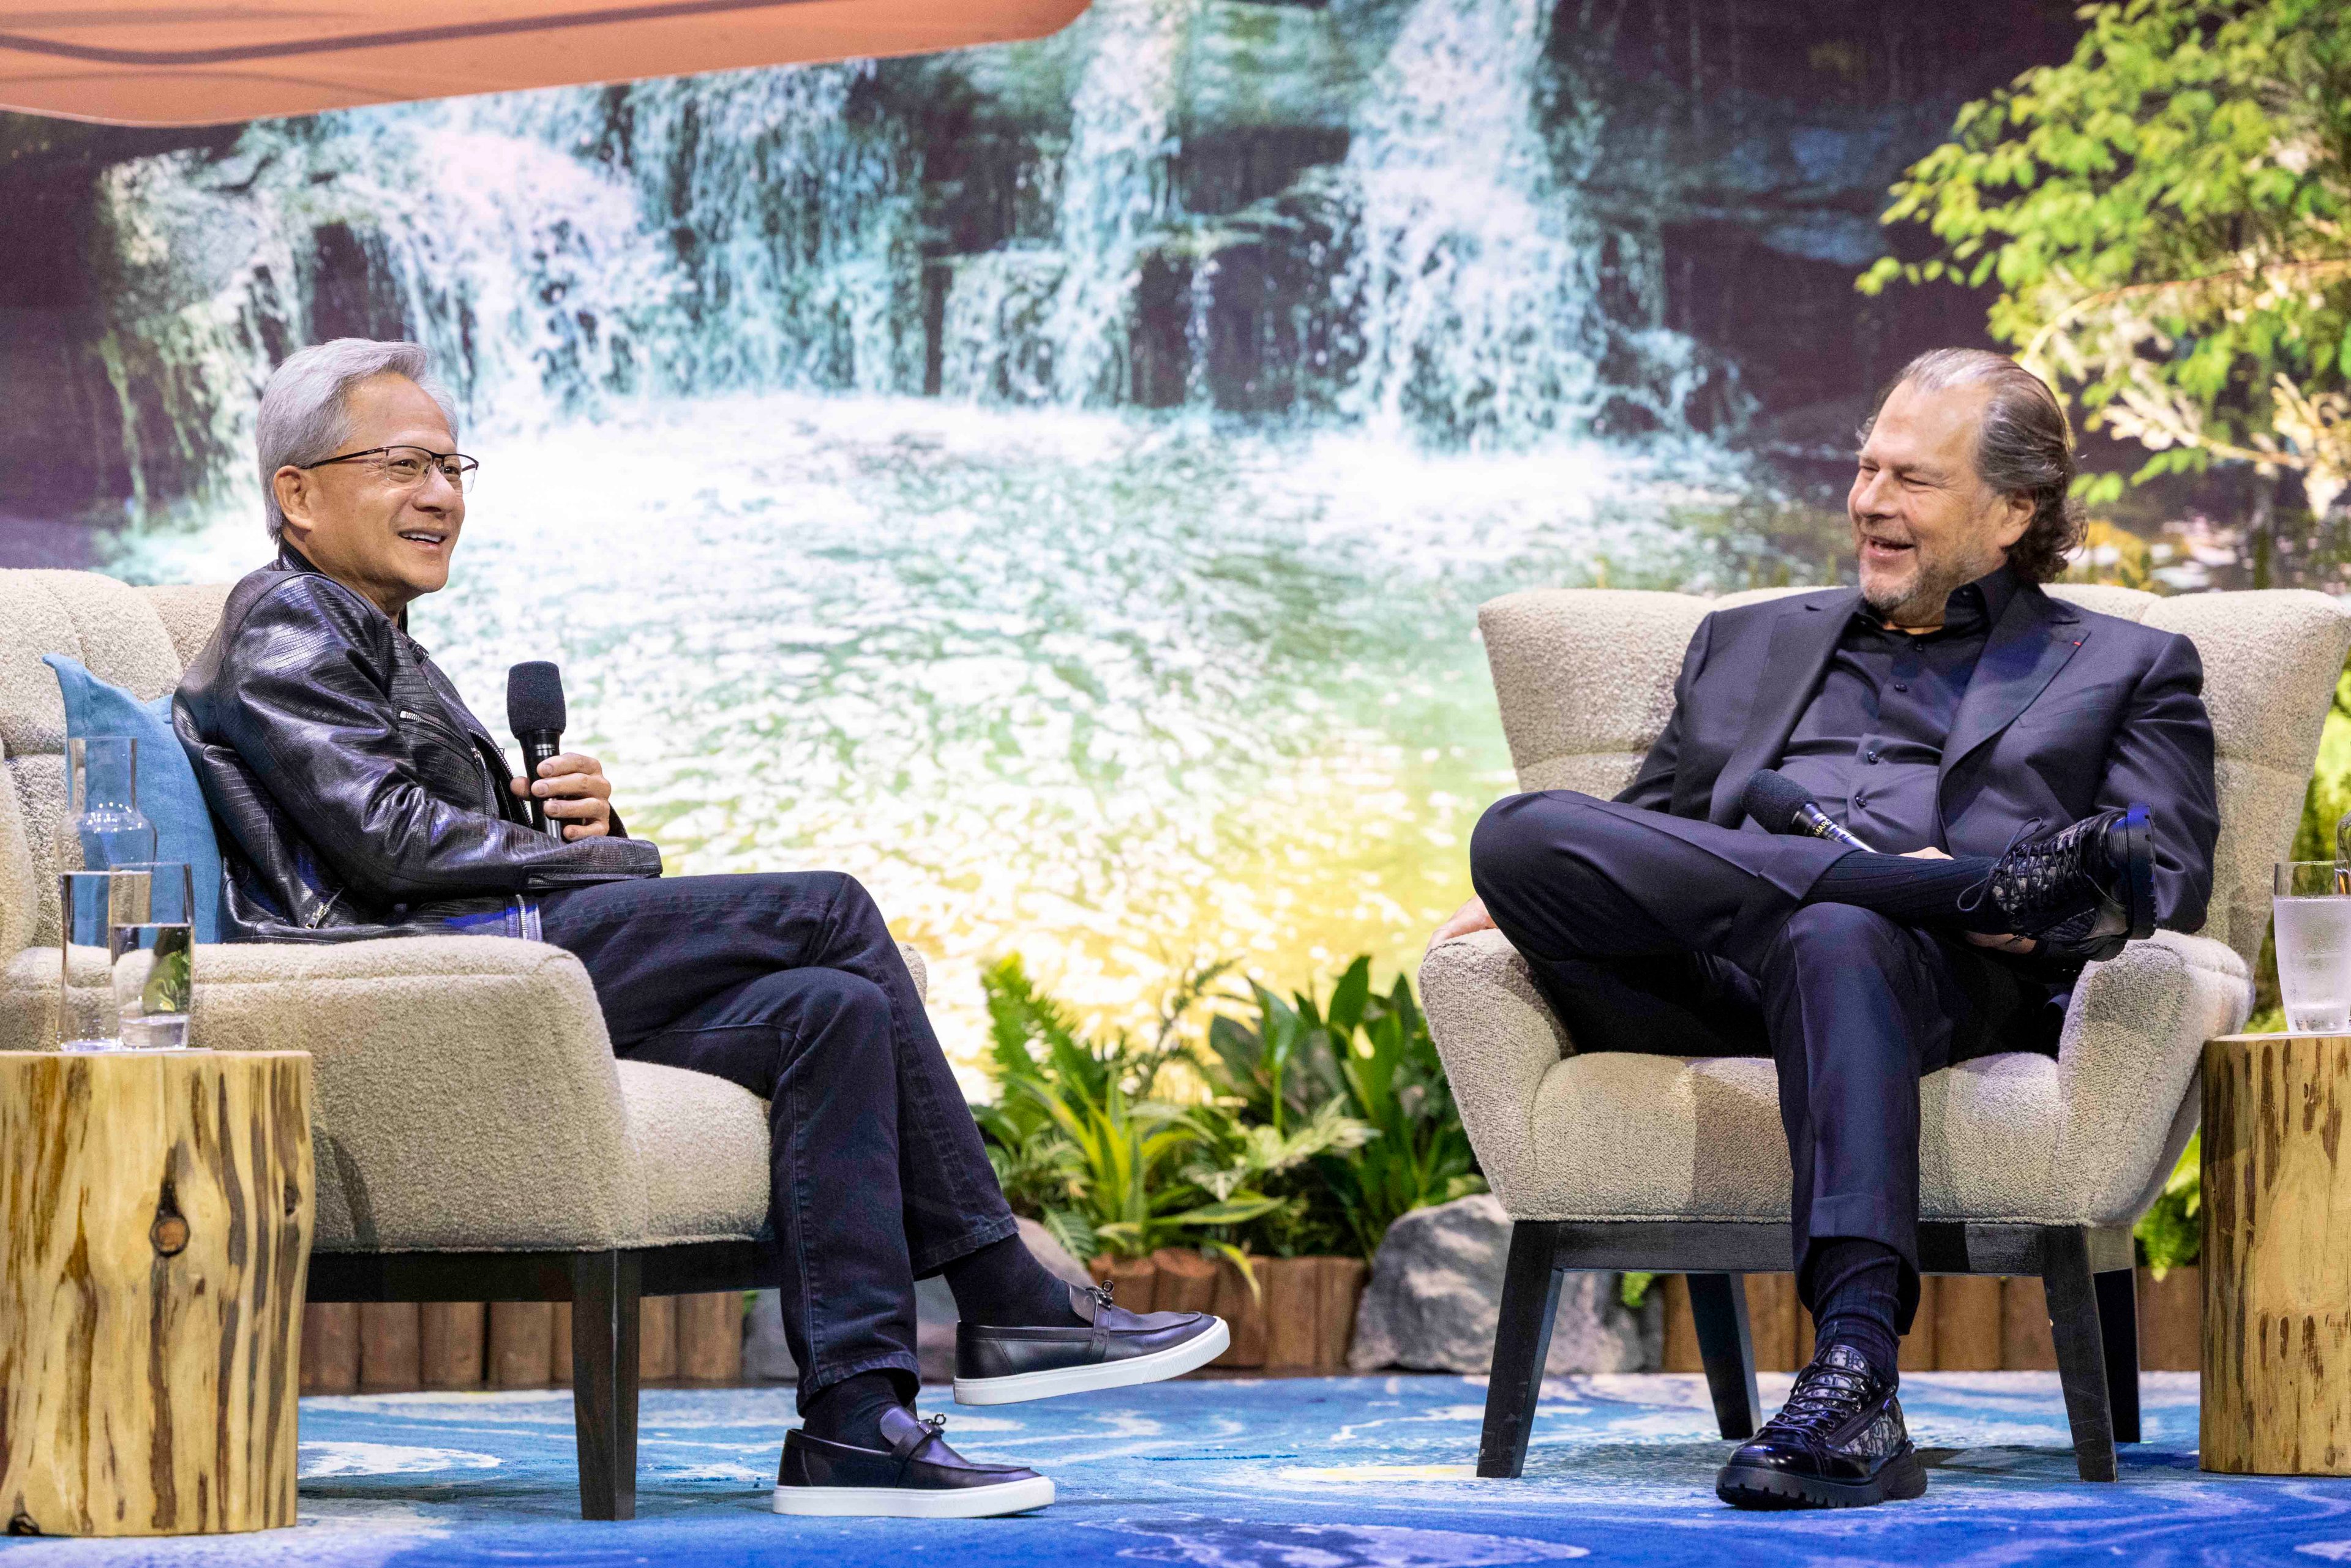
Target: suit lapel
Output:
[(2034, 641), (1801, 645)]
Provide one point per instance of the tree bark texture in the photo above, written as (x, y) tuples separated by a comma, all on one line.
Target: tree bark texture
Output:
[(2277, 1257), (155, 1221)]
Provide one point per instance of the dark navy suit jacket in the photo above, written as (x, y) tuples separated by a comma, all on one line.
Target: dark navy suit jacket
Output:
[(2068, 712)]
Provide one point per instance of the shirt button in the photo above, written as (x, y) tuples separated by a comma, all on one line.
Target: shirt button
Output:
[(1873, 757), (1901, 685), (1860, 802)]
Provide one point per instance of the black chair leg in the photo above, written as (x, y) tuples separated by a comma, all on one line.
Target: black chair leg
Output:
[(604, 1382), (2119, 1327), (1719, 1311), (2081, 1369), (1521, 1346)]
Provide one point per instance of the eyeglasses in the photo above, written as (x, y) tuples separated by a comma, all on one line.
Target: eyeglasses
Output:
[(407, 467)]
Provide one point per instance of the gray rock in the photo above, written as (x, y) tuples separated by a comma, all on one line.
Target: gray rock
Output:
[(1437, 1289), (767, 1358)]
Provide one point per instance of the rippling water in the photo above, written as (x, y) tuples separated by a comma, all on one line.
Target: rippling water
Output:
[(1113, 693)]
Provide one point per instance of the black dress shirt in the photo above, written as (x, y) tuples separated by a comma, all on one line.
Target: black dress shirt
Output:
[(1869, 747)]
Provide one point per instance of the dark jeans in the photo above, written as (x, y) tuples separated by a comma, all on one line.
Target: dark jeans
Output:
[(1657, 934), (790, 985)]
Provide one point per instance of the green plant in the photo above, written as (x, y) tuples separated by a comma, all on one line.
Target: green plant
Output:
[(2168, 215), (1328, 1120), (1369, 1055), (2171, 1234), (1078, 1140)]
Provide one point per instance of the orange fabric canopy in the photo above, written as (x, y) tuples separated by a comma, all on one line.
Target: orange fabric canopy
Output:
[(125, 62)]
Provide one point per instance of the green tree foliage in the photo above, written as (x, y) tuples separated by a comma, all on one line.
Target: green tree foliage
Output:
[(2168, 216), (2171, 1234)]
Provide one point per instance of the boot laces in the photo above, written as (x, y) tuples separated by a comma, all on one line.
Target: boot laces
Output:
[(1823, 1399), (2024, 873)]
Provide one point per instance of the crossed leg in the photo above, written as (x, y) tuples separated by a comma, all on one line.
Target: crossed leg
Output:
[(1657, 934)]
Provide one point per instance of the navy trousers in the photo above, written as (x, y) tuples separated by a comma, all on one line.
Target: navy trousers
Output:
[(790, 985), (1652, 933)]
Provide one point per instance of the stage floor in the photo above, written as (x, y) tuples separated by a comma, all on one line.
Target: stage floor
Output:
[(1297, 1473)]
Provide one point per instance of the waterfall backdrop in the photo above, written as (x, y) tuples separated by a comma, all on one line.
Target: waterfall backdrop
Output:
[(1053, 482)]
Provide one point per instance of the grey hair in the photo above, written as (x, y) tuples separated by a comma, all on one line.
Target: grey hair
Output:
[(2025, 447), (303, 413)]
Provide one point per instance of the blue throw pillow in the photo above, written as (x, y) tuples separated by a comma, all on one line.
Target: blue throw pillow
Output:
[(169, 795)]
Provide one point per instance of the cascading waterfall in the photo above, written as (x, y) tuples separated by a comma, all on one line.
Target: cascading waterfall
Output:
[(1113, 190), (792, 226), (1473, 287), (768, 230), (525, 271), (1035, 323)]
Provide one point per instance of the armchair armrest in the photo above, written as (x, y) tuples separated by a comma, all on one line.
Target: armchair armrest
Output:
[(465, 1092), (465, 1095), (2127, 1064), (1497, 1040)]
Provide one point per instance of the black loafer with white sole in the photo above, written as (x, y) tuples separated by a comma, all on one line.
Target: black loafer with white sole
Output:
[(916, 1477), (1113, 1349)]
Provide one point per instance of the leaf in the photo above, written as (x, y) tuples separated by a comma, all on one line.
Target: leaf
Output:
[(2167, 217), (1231, 1211), (1354, 989)]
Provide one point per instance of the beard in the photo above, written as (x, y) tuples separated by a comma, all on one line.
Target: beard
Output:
[(1922, 587)]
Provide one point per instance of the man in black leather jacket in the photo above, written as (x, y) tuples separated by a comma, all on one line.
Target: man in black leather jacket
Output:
[(356, 796)]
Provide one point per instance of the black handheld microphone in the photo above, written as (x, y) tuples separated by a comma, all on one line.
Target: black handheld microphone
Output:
[(535, 714), (1779, 803)]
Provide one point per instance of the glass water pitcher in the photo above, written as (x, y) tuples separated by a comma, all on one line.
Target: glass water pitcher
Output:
[(103, 826)]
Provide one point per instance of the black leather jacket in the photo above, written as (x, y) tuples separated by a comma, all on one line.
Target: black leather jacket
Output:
[(354, 794)]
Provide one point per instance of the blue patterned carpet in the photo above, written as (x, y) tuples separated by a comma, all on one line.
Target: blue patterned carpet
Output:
[(1313, 1473)]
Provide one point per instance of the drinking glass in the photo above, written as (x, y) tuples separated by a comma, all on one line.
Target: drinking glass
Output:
[(127, 951), (87, 1018), (152, 942), (2313, 946), (103, 825)]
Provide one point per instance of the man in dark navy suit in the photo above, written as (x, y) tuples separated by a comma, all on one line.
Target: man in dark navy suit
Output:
[(2034, 783)]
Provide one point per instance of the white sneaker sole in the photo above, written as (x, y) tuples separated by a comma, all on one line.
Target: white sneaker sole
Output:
[(1173, 1362), (909, 1502)]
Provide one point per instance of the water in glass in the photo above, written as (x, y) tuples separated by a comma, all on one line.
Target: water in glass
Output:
[(127, 954), (87, 1018), (153, 984), (2313, 947)]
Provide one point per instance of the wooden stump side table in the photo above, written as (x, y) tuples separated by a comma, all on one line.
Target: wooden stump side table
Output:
[(2277, 1255), (155, 1215)]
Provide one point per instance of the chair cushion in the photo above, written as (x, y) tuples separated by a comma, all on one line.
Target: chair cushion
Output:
[(1708, 1129), (169, 795), (1608, 1135), (702, 1144)]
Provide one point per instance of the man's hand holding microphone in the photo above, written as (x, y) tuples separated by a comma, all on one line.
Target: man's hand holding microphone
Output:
[(574, 791), (570, 796)]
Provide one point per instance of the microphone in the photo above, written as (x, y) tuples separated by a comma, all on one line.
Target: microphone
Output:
[(535, 714), (1779, 803)]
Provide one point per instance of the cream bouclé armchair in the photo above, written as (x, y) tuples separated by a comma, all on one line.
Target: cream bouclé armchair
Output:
[(2028, 1165), (476, 1139)]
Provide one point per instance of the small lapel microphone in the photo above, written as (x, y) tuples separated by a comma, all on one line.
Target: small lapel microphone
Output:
[(1779, 803), (535, 714)]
